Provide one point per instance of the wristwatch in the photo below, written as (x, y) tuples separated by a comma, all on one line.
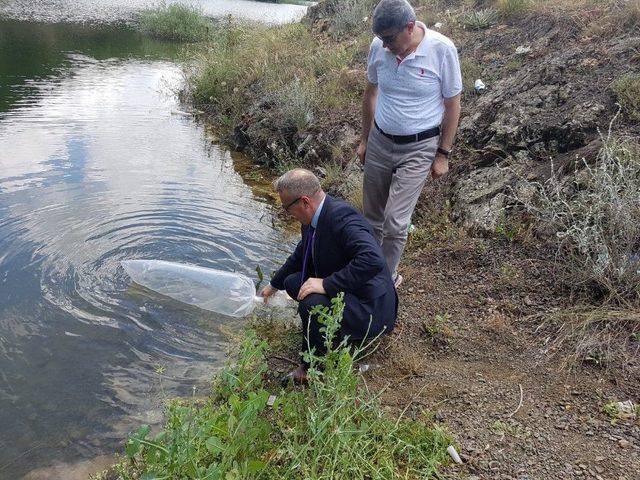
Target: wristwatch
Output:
[(443, 151)]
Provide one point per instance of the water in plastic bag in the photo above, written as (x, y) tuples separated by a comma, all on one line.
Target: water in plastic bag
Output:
[(226, 293)]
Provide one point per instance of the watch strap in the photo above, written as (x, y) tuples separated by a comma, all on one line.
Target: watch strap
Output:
[(444, 152)]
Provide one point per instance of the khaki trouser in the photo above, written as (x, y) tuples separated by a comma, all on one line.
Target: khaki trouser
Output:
[(394, 175)]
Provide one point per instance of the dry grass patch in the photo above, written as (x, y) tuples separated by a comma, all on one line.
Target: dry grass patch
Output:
[(514, 8), (584, 334), (594, 215)]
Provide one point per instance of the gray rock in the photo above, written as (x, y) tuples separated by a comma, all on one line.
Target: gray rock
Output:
[(479, 199)]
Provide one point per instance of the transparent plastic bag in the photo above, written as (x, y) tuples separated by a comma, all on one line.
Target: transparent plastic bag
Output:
[(222, 292)]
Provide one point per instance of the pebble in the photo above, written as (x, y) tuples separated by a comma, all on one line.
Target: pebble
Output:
[(624, 443)]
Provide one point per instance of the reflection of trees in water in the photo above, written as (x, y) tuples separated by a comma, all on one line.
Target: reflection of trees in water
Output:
[(31, 51)]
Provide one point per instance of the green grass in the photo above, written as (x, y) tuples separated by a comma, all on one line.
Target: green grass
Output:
[(279, 82), (513, 8), (627, 92), (176, 22), (471, 71), (330, 430)]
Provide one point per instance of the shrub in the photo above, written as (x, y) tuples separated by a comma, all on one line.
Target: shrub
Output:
[(595, 215), (480, 19), (331, 430), (175, 22), (627, 92), (513, 8), (350, 16), (296, 103)]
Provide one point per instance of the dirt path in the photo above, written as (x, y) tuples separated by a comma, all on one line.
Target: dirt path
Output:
[(468, 352), (461, 353)]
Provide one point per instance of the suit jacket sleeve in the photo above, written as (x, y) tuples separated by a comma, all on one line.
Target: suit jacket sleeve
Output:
[(365, 260), (291, 265)]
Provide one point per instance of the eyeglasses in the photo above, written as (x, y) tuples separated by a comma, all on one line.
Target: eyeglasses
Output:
[(389, 39), (288, 206)]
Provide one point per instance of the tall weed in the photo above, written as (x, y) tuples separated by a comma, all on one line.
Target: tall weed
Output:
[(331, 430)]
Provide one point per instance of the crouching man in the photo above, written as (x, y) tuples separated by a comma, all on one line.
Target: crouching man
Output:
[(337, 253)]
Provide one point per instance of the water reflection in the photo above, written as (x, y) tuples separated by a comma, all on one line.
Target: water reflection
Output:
[(95, 168)]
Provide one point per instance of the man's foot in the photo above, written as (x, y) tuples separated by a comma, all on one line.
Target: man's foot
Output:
[(397, 280), (298, 377)]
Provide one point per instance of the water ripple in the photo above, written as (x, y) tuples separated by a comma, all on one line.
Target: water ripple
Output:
[(94, 169)]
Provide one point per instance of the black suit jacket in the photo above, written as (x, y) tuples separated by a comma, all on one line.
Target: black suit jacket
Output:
[(345, 254)]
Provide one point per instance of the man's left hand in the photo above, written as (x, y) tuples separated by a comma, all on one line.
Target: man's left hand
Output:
[(440, 166), (312, 285)]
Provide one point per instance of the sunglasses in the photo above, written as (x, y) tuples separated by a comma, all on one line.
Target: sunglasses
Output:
[(389, 39)]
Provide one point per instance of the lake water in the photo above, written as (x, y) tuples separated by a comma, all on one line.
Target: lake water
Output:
[(100, 11), (97, 165)]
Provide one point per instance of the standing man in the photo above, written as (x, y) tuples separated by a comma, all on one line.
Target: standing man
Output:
[(337, 253), (410, 113)]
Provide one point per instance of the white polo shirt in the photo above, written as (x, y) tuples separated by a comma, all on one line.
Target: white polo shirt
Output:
[(411, 91)]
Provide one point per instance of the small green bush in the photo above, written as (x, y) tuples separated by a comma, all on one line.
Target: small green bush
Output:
[(480, 19), (296, 104), (176, 22), (627, 92), (332, 430)]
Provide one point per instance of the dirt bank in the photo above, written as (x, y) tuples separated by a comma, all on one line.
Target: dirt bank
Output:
[(488, 341)]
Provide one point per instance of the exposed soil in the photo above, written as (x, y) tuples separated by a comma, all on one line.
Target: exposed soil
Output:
[(476, 347), (466, 369)]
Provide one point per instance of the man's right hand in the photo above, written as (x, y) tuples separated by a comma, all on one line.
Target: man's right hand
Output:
[(361, 151), (267, 292)]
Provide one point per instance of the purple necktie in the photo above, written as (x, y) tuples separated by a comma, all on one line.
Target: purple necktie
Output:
[(307, 248)]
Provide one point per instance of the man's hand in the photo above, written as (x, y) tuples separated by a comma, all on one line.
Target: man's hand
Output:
[(312, 285), (361, 151), (440, 166), (267, 292)]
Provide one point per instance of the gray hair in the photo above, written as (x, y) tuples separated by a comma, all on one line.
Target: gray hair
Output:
[(298, 182), (392, 15)]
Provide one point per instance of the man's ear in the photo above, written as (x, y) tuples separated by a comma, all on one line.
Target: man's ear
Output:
[(410, 26)]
